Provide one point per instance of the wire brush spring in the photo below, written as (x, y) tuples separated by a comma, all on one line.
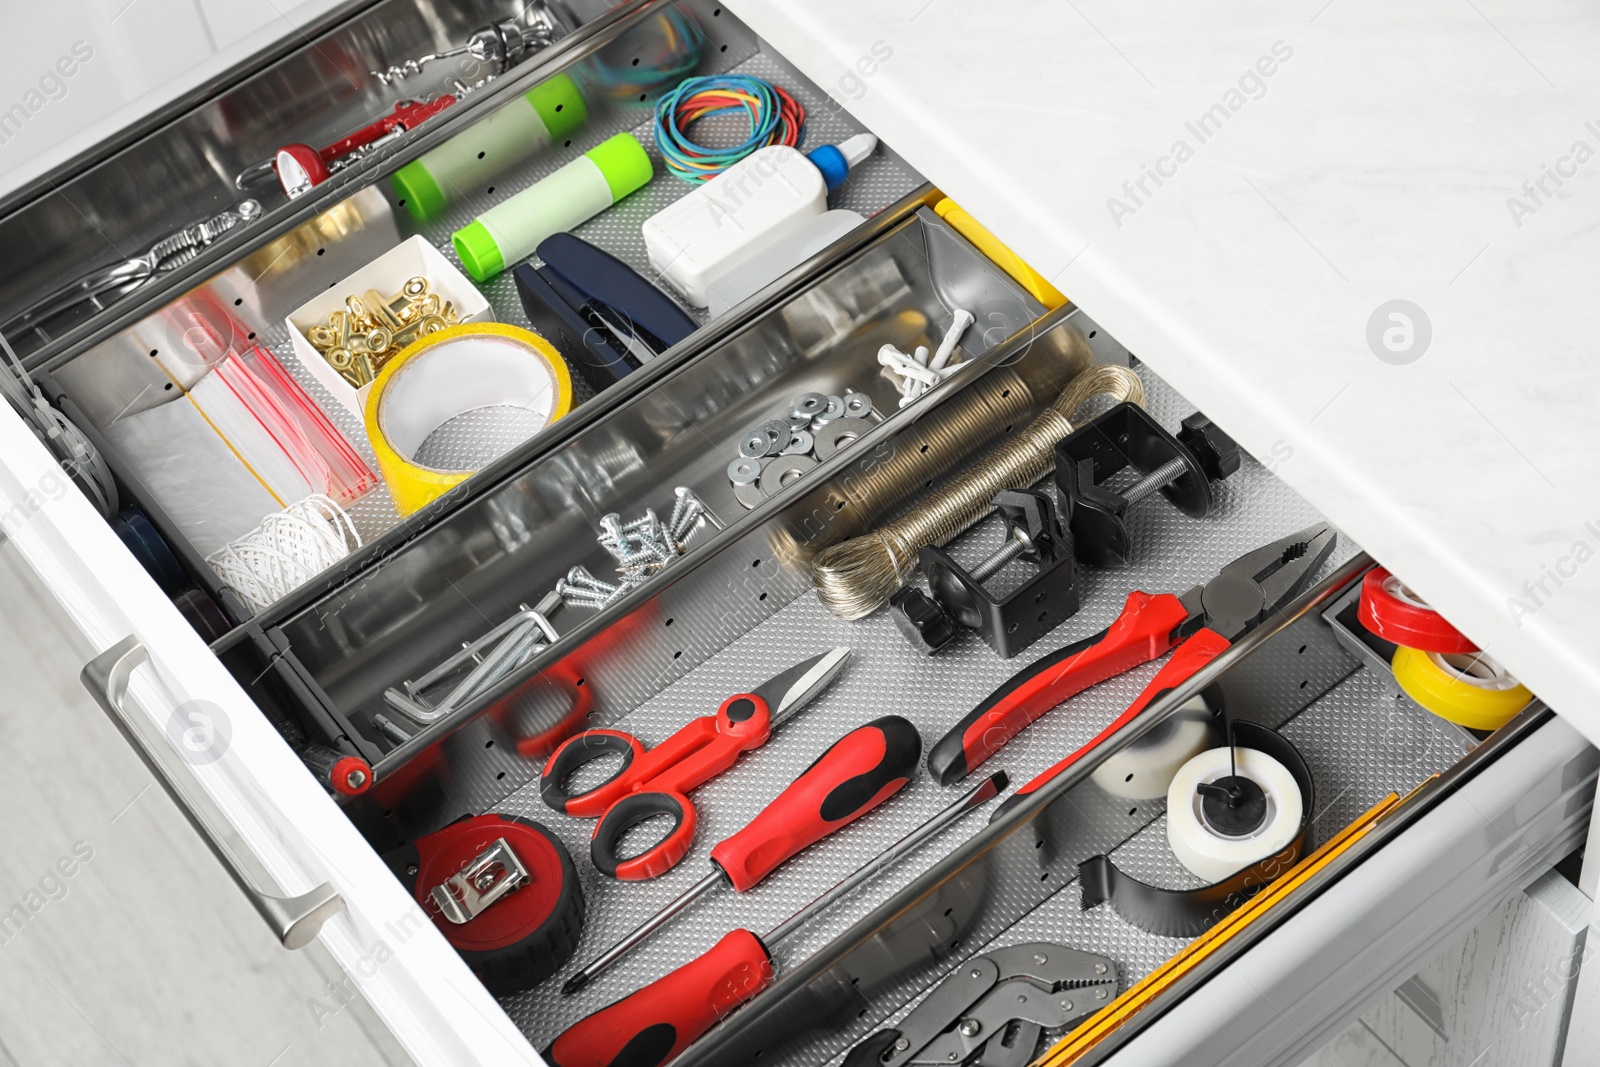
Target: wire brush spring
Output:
[(856, 577)]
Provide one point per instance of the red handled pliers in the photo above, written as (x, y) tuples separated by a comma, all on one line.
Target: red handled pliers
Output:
[(1202, 624), (655, 781)]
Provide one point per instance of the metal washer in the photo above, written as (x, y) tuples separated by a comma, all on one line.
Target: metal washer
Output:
[(800, 443), (839, 434), (834, 410), (778, 473), (749, 496), (778, 434), (744, 471), (809, 404)]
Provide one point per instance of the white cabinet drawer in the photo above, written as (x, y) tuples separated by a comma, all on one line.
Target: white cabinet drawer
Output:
[(1475, 815), (273, 813)]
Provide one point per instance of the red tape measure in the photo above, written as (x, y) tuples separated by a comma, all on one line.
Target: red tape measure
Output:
[(525, 936), (1396, 614)]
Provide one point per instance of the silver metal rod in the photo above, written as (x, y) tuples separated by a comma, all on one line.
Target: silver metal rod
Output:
[(973, 799), (468, 651), (650, 926), (1163, 475), (390, 729), (1015, 546), (474, 681)]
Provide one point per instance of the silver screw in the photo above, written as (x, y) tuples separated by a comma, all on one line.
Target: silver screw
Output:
[(901, 1044), (1015, 545), (969, 1027), (1040, 958), (613, 539), (581, 578), (1099, 968), (1099, 994), (679, 506), (1163, 475), (976, 973), (691, 516)]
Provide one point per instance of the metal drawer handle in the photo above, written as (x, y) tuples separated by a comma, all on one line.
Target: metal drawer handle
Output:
[(294, 920)]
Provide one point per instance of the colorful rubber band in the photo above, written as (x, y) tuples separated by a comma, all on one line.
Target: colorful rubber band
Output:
[(775, 118)]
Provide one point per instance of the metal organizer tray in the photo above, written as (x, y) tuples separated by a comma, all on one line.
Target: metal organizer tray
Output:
[(116, 373), (474, 567)]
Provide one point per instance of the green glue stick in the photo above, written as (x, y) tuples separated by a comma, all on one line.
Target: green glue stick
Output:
[(462, 165), (509, 232)]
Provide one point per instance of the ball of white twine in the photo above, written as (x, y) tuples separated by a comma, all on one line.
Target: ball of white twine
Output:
[(287, 550)]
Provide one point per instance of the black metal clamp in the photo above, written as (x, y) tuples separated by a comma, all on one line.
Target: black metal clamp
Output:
[(959, 597), (1181, 467)]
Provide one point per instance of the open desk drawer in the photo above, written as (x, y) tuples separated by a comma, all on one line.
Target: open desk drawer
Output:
[(1477, 819), (1431, 865)]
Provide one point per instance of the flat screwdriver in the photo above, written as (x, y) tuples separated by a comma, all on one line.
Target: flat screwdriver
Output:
[(656, 1023), (864, 768)]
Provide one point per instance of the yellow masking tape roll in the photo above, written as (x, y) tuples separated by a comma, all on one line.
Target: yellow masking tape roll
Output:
[(1469, 689), (1007, 260), (446, 374)]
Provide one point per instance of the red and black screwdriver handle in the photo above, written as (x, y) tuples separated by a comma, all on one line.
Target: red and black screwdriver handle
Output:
[(1140, 634), (858, 772), (1194, 653), (652, 782), (653, 1025)]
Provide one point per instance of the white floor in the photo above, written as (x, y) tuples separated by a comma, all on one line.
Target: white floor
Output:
[(121, 940)]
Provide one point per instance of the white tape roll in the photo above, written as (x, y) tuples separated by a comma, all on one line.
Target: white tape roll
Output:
[(1144, 769), (1206, 851)]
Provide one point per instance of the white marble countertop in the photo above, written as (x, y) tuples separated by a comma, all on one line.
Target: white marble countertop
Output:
[(1235, 190)]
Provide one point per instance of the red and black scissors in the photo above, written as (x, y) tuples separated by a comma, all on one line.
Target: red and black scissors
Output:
[(655, 781), (1201, 625)]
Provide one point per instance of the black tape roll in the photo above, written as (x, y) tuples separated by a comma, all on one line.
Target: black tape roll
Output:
[(1191, 912)]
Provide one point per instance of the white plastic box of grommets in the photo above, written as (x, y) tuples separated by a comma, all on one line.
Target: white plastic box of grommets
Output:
[(411, 258)]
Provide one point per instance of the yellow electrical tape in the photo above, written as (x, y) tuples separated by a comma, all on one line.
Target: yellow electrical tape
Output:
[(459, 369), (1003, 257), (1116, 1014), (1468, 689)]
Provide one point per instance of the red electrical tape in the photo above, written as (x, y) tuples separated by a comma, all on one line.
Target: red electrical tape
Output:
[(1399, 616)]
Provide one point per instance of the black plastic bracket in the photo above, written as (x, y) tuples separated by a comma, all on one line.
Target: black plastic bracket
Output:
[(1013, 622), (1129, 436)]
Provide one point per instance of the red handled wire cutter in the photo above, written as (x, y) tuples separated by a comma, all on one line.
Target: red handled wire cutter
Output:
[(1201, 625), (655, 781)]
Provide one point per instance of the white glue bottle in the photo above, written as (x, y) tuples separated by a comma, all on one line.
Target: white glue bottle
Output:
[(726, 221)]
